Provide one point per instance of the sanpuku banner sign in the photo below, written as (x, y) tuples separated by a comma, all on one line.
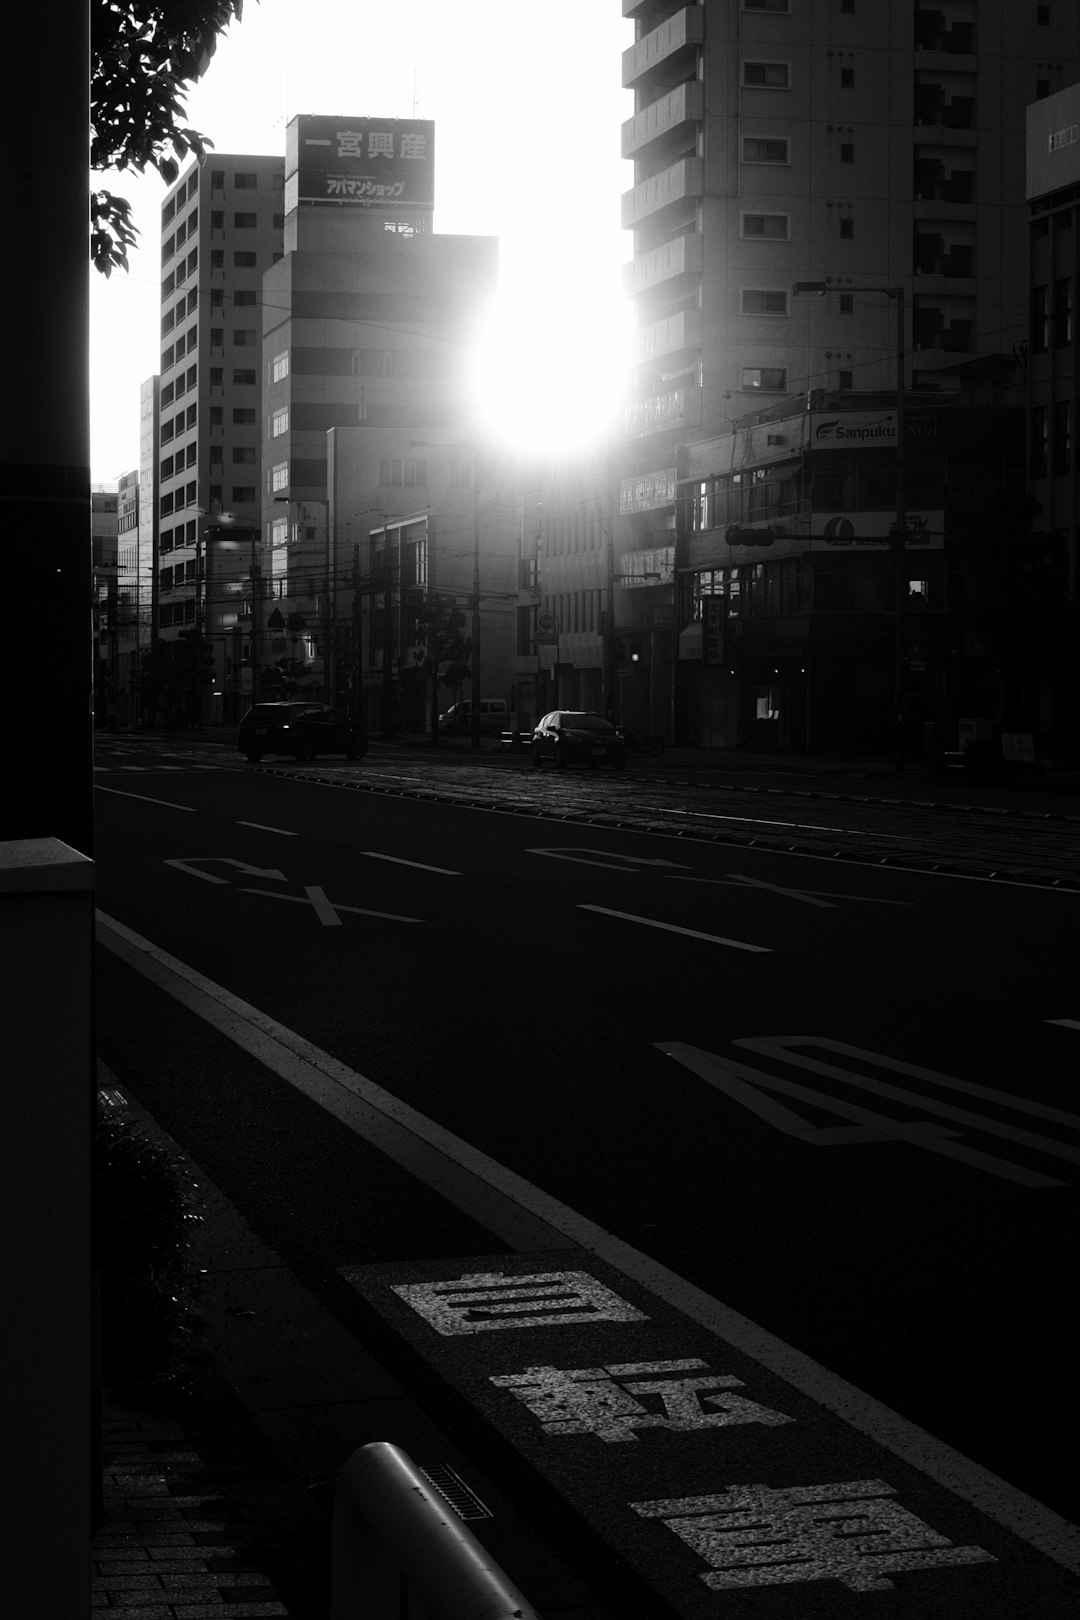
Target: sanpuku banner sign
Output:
[(852, 430), (362, 162)]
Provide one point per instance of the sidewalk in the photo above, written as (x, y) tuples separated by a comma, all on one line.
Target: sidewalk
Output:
[(218, 1503)]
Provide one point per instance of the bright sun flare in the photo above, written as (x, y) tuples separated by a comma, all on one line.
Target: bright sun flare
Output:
[(549, 371)]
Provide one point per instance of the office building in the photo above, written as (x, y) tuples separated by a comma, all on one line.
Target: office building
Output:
[(367, 322), (871, 150)]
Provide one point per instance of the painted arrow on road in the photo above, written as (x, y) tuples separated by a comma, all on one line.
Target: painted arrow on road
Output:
[(187, 865)]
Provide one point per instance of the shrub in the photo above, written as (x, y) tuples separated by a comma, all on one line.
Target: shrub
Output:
[(148, 1276)]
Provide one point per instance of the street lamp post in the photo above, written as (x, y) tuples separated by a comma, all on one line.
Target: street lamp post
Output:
[(819, 288)]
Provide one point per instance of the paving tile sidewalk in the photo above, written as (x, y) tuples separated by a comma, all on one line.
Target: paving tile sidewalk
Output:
[(168, 1546)]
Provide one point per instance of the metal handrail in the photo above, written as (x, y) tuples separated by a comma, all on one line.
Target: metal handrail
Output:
[(395, 1538)]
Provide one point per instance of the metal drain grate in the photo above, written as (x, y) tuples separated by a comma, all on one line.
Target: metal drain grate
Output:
[(453, 1489)]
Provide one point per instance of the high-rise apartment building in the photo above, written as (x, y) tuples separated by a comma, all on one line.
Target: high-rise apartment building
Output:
[(222, 227), (1053, 192), (873, 149)]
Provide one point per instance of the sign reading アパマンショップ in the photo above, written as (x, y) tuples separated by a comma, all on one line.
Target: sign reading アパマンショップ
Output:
[(361, 162)]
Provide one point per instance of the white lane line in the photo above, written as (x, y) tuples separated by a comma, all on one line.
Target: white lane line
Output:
[(166, 804), (420, 865), (261, 826), (1065, 1023), (671, 928), (528, 1218)]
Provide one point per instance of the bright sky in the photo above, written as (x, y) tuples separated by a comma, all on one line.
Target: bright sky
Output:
[(527, 104)]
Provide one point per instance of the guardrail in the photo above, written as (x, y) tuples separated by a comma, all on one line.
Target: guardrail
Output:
[(399, 1550)]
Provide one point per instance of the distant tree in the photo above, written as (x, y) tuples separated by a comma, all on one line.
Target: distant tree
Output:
[(445, 659), (144, 55)]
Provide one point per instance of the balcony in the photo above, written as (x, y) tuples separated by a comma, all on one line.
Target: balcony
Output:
[(682, 256), (665, 122), (679, 183), (667, 54), (680, 408), (670, 336)]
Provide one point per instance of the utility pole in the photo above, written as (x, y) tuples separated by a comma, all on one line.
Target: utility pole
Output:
[(474, 713)]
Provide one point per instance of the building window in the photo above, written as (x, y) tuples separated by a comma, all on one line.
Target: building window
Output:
[(217, 337), (243, 377), (243, 455), (766, 227), (245, 222), (764, 301), (761, 149), (244, 296), (847, 78), (217, 179), (279, 367), (404, 474), (847, 151), (217, 377), (847, 381), (243, 415), (245, 182), (217, 258), (767, 5), (847, 228), (1063, 436), (279, 422), (1042, 16), (847, 303), (244, 261), (764, 379), (243, 493), (1063, 312), (1040, 320), (279, 476), (766, 75), (244, 337), (1039, 440)]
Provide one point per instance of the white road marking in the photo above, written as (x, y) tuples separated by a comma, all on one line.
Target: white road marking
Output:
[(165, 804), (672, 928), (796, 894), (779, 1046), (582, 855), (327, 910), (528, 1218), (188, 865), (744, 1086), (1065, 1023), (261, 826), (420, 865)]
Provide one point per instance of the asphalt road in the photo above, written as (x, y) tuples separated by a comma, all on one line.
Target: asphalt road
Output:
[(835, 1094)]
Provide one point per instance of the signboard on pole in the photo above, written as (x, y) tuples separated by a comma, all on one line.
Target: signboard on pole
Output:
[(713, 615)]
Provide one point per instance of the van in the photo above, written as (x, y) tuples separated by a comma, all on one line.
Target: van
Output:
[(457, 721)]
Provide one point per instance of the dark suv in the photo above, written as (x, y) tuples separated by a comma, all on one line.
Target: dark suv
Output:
[(300, 729)]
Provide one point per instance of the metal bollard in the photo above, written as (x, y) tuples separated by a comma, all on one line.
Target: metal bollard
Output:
[(395, 1542)]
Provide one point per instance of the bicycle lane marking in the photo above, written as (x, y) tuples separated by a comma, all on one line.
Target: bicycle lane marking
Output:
[(943, 1503)]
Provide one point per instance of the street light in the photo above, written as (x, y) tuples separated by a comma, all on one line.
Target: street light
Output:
[(819, 289)]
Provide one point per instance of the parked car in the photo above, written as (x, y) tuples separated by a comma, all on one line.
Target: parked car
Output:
[(577, 737), (300, 729), (457, 720)]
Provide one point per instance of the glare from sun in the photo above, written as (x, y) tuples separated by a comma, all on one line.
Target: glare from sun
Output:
[(549, 369)]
